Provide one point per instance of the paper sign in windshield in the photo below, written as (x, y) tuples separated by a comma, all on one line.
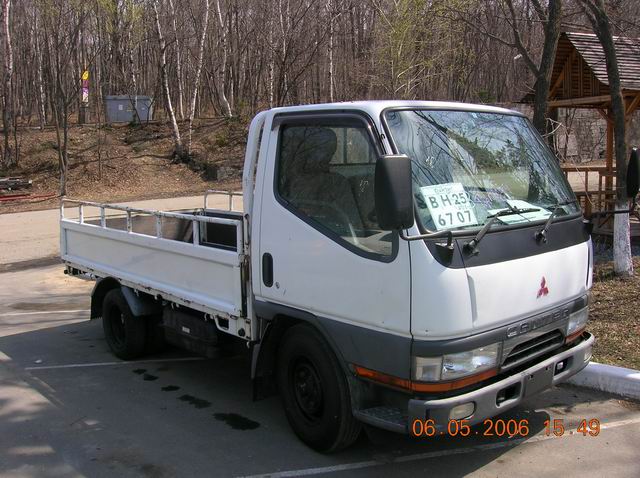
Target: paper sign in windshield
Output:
[(450, 205)]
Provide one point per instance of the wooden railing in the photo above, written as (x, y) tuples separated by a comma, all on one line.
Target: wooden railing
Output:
[(601, 199), (592, 200)]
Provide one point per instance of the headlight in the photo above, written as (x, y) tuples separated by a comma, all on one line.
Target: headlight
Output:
[(452, 366), (577, 321)]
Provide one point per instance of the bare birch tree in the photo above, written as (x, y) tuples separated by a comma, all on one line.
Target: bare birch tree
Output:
[(198, 72), (177, 140), (330, 51), (42, 99), (7, 91), (179, 76), (223, 68)]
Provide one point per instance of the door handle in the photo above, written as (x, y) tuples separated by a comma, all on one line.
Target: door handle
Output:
[(267, 269)]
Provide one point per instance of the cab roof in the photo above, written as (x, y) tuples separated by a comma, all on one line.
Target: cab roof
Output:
[(375, 107)]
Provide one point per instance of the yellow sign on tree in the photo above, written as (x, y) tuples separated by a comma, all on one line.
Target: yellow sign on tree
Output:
[(85, 75)]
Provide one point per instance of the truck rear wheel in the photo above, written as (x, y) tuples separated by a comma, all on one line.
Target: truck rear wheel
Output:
[(125, 333), (314, 391)]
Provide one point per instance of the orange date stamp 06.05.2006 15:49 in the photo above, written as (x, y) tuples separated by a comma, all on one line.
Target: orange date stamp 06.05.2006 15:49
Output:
[(507, 428)]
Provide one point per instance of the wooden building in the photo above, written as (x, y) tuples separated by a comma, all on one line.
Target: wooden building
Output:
[(580, 80)]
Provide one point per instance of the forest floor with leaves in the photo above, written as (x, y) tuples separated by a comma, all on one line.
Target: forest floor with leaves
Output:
[(128, 162), (614, 316)]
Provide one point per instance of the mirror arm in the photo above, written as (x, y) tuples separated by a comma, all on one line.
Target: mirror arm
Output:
[(445, 250), (430, 235)]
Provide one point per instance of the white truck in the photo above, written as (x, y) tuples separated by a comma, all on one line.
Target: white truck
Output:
[(393, 261)]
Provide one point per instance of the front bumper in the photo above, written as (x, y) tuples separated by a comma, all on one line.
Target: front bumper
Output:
[(489, 400), (516, 388)]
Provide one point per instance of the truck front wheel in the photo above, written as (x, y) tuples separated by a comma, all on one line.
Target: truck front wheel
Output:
[(124, 332), (314, 391)]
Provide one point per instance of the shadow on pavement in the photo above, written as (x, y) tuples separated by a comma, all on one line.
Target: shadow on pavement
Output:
[(172, 417)]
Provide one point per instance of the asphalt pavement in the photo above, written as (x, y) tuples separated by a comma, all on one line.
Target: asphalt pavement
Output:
[(69, 408)]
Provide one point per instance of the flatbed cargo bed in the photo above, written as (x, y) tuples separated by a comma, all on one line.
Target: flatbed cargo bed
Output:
[(191, 258)]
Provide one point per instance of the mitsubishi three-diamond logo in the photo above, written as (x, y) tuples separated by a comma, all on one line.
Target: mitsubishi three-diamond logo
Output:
[(544, 290)]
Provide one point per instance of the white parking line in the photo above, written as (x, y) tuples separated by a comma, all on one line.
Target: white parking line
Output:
[(44, 312), (434, 454), (108, 364)]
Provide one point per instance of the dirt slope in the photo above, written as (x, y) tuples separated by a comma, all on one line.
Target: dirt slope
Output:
[(124, 162)]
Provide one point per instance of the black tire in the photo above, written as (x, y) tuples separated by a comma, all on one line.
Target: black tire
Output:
[(314, 391), (125, 333)]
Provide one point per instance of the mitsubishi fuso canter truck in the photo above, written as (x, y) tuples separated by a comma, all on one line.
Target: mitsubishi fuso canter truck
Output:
[(391, 262)]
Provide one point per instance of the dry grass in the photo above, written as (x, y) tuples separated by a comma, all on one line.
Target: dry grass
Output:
[(615, 317)]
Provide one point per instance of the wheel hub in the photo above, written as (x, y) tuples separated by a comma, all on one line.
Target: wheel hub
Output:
[(308, 389)]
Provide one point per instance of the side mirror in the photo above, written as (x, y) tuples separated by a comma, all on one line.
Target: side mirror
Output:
[(393, 192), (633, 174)]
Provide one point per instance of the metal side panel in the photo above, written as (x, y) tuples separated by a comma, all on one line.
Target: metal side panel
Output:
[(206, 276)]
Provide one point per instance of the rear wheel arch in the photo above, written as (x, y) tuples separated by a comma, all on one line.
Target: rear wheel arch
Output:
[(100, 290), (141, 304)]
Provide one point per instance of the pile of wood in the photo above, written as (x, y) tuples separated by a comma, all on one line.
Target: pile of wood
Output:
[(14, 188), (13, 184)]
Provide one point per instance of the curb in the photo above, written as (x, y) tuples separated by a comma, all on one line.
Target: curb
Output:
[(608, 378)]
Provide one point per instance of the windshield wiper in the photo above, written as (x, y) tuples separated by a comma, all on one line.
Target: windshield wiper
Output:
[(472, 245), (541, 235)]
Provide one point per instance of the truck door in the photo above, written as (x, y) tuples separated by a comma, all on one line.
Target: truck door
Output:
[(321, 248)]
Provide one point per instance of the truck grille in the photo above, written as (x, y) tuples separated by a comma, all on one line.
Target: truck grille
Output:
[(535, 347)]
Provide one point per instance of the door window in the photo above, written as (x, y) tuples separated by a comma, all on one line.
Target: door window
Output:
[(325, 175)]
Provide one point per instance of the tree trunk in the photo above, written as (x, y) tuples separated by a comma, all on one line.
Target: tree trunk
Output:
[(223, 74), (42, 112), (196, 81), (597, 14), (177, 140), (283, 86), (63, 180), (622, 259), (134, 82), (551, 20), (7, 112), (178, 62), (64, 170), (271, 66), (330, 12)]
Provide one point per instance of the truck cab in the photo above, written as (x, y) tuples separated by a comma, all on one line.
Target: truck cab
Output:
[(394, 263), (428, 320)]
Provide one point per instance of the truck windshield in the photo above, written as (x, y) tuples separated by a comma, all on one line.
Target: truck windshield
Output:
[(468, 166)]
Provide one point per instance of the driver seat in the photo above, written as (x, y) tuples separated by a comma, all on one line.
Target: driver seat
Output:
[(313, 181)]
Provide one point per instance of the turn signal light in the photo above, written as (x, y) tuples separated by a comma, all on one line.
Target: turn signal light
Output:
[(574, 336), (409, 385)]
